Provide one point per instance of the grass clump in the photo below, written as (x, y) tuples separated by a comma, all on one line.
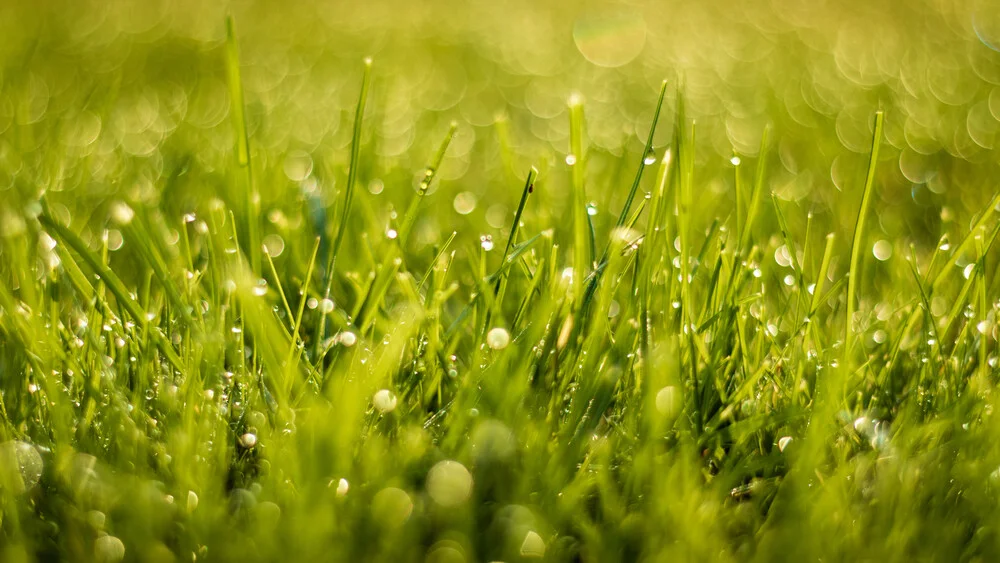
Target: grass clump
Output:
[(384, 334)]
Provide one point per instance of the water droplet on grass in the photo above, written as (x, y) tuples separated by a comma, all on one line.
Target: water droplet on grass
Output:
[(783, 443), (782, 256), (348, 338), (882, 250), (498, 338), (384, 400), (967, 272)]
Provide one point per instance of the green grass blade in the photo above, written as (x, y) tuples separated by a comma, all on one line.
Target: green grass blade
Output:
[(857, 241)]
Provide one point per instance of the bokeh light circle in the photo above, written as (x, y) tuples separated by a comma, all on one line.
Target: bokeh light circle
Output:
[(611, 38)]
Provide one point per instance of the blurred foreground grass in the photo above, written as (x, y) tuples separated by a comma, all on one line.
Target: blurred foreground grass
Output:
[(485, 298)]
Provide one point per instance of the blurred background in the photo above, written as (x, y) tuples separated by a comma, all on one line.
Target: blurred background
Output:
[(102, 98)]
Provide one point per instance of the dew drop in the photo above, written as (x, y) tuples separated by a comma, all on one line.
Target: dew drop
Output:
[(498, 338), (882, 250), (967, 272), (347, 338), (782, 256), (326, 306), (783, 443), (343, 487), (384, 400)]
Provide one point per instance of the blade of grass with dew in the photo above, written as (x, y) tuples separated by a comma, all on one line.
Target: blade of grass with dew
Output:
[(115, 285), (594, 277), (648, 150), (389, 267)]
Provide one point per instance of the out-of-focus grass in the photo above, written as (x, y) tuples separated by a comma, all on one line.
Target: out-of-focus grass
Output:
[(435, 324)]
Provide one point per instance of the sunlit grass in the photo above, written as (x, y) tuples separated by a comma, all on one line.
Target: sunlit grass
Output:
[(498, 295)]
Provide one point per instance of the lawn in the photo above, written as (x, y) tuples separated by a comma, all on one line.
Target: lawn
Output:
[(458, 281)]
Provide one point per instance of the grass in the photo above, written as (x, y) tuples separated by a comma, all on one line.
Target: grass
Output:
[(611, 325)]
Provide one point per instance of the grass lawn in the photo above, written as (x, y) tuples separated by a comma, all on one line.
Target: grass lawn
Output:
[(457, 281)]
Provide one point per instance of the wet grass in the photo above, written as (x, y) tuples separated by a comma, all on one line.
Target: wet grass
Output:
[(242, 352)]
